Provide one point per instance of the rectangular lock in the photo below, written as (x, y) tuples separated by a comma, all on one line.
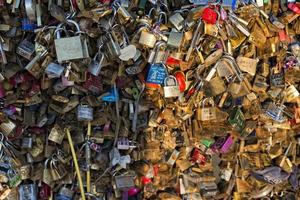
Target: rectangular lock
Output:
[(175, 39), (54, 70), (26, 49), (123, 182), (177, 21)]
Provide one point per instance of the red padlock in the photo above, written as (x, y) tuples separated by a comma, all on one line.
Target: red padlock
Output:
[(209, 16), (44, 191), (197, 156), (180, 77), (145, 180), (35, 88)]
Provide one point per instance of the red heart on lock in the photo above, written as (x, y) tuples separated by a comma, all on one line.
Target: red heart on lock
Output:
[(209, 16)]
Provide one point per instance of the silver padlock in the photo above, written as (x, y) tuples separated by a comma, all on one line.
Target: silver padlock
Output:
[(65, 193), (177, 21), (84, 113), (171, 88), (27, 142), (26, 49), (28, 192), (175, 39), (96, 64), (70, 48), (114, 49), (54, 70)]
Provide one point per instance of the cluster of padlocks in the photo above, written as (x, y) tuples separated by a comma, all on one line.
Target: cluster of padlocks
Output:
[(149, 99)]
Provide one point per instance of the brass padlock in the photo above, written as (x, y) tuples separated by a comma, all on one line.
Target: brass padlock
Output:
[(56, 134), (148, 39), (206, 113)]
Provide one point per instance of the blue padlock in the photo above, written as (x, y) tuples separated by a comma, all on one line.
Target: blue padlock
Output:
[(27, 25), (112, 96), (156, 74)]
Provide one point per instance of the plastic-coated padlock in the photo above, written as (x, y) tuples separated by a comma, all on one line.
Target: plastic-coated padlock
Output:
[(209, 15)]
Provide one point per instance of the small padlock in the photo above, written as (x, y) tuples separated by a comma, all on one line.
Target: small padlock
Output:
[(123, 144), (148, 39), (156, 74), (28, 191), (124, 181), (96, 64), (209, 15), (47, 177), (85, 113), (56, 134), (275, 112), (237, 119), (177, 21), (27, 142), (223, 144), (26, 49), (207, 113), (65, 193), (277, 78), (54, 70), (175, 39), (171, 87)]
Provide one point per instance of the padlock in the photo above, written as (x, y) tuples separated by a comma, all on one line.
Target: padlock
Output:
[(27, 142), (47, 177), (54, 70), (96, 64), (175, 39), (209, 15), (70, 48), (171, 87), (65, 193), (148, 39), (84, 113), (206, 113), (177, 21), (114, 49), (156, 74), (26, 49), (277, 78), (123, 181), (275, 112), (14, 179), (237, 119), (56, 134), (7, 127), (28, 191)]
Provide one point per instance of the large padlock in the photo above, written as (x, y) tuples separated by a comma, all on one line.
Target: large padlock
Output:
[(207, 113), (70, 48), (171, 87)]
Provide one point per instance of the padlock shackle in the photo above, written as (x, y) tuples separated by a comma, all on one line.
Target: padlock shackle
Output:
[(68, 21), (235, 67), (211, 102), (170, 77)]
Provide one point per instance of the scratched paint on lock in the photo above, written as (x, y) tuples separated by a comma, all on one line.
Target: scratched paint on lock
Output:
[(156, 74)]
